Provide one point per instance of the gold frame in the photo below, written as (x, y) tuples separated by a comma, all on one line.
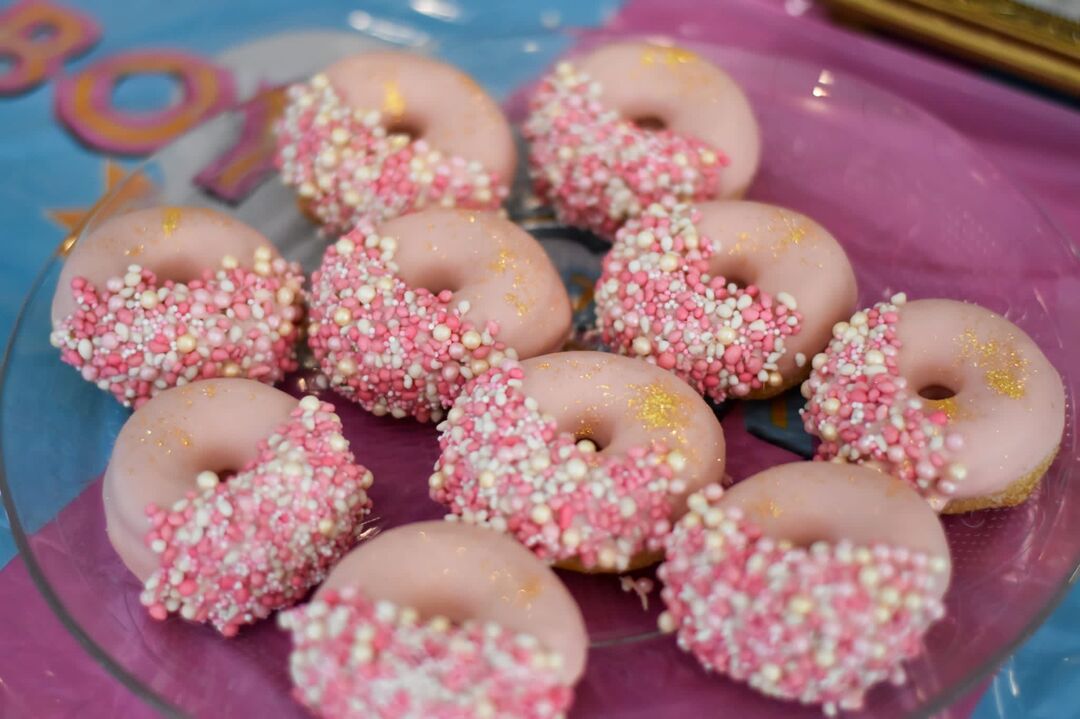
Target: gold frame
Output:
[(1019, 38)]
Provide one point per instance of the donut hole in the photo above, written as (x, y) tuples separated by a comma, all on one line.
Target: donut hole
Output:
[(179, 269), (937, 392), (649, 123), (433, 278), (588, 437), (738, 280), (405, 126), (589, 427), (735, 270)]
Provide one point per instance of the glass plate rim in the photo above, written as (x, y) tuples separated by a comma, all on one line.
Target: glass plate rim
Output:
[(943, 699)]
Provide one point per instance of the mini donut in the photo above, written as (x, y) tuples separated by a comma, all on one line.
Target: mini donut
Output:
[(632, 123), (585, 457), (438, 620), (946, 395), (381, 134), (230, 499), (160, 297), (731, 296), (810, 582), (405, 313)]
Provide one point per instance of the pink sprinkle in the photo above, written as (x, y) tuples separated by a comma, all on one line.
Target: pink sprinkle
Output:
[(598, 169)]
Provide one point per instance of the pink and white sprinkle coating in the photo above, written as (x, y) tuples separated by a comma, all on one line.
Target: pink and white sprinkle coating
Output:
[(346, 167), (818, 625), (392, 348), (354, 657), (138, 335), (506, 465), (655, 299), (864, 411), (236, 550), (596, 168)]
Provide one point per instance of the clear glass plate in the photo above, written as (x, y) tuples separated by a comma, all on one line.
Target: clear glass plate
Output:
[(917, 210)]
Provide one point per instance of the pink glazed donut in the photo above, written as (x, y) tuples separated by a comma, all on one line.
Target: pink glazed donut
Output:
[(382, 134), (733, 297), (585, 457), (161, 297), (229, 499), (405, 313), (438, 620), (811, 582), (632, 123), (946, 395)]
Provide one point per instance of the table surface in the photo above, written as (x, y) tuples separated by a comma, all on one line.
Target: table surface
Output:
[(1031, 137)]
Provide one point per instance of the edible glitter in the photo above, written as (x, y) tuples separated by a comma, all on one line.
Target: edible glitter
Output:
[(170, 220), (1005, 369), (658, 407), (519, 305), (669, 56), (393, 100), (793, 230), (950, 406)]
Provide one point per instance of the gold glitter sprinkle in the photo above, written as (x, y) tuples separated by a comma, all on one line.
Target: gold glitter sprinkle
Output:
[(766, 508), (795, 231), (393, 101), (1005, 370), (949, 406), (505, 259), (784, 231), (530, 589), (669, 56), (170, 220), (519, 305), (209, 390), (137, 249), (1014, 494), (659, 408), (586, 426)]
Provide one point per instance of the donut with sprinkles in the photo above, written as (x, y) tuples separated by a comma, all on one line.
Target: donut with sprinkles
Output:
[(161, 297), (404, 314), (946, 395), (731, 296), (229, 499), (810, 582), (381, 134), (585, 457), (631, 123), (438, 620)]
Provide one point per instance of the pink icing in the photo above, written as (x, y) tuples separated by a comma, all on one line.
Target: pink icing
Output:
[(792, 585), (510, 459), (863, 399), (228, 548), (438, 619), (371, 138), (202, 296), (353, 657), (657, 299), (597, 167), (390, 344)]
